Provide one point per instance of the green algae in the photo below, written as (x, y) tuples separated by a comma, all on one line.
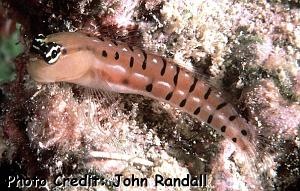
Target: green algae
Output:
[(10, 48)]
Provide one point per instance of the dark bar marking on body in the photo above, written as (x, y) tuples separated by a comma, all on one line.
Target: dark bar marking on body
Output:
[(115, 43), (130, 47), (182, 103), (169, 96), (193, 85), (145, 60), (223, 129), (175, 79), (131, 62), (163, 70), (207, 93), (149, 88), (210, 118), (197, 111), (104, 53), (220, 106), (244, 132), (231, 118), (117, 56), (125, 81)]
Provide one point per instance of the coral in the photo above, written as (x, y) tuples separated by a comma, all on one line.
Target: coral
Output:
[(268, 106)]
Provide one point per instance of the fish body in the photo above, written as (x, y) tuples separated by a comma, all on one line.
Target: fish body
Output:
[(115, 66)]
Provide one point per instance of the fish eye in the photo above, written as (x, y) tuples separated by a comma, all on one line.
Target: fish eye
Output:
[(53, 52), (50, 51)]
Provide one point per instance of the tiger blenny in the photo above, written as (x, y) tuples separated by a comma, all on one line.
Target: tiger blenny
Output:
[(114, 66)]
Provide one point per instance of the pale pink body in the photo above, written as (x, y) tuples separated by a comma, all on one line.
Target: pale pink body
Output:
[(117, 67)]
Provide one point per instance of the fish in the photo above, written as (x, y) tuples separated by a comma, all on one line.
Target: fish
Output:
[(109, 65)]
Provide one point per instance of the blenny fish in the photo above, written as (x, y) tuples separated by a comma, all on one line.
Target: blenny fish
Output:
[(109, 65)]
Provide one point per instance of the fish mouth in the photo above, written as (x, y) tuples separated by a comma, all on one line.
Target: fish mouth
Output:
[(36, 76), (37, 70), (44, 73)]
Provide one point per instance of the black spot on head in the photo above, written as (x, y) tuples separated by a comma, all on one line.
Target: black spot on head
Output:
[(125, 81), (244, 132), (131, 62), (207, 93), (220, 106), (64, 51), (210, 118), (149, 88), (197, 111), (231, 118), (117, 56), (182, 103), (234, 139), (223, 129), (163, 70), (104, 53), (101, 38), (169, 96)]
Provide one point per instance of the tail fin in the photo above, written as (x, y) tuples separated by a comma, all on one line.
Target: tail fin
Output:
[(256, 160)]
